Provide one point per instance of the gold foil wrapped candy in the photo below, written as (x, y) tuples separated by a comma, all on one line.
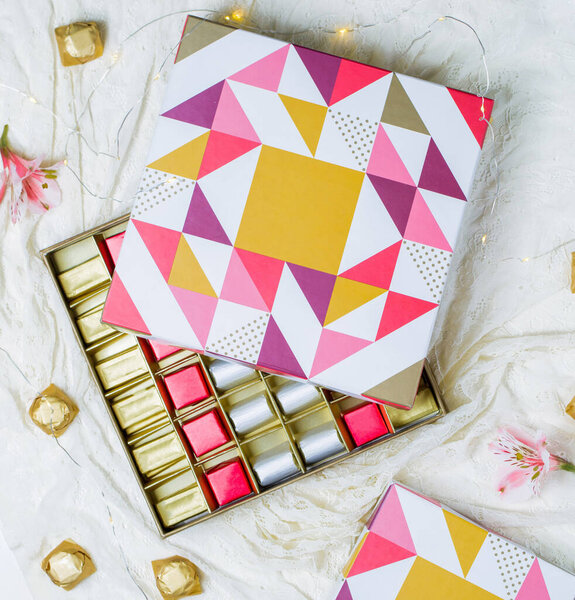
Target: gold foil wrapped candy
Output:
[(68, 564), (79, 43), (53, 411), (176, 577), (570, 409)]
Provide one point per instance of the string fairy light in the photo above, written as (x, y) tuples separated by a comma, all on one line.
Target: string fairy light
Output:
[(79, 466), (240, 17)]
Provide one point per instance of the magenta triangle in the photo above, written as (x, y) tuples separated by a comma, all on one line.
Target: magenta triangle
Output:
[(316, 286), (202, 221), (200, 109), (397, 198), (345, 592), (436, 175), (323, 69), (275, 353)]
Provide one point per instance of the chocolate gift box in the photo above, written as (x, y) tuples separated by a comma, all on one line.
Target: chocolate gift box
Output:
[(414, 547), (202, 434), (298, 212)]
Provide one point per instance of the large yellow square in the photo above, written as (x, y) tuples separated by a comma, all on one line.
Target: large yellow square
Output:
[(299, 209)]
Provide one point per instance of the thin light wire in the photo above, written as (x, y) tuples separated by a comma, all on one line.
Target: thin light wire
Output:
[(40, 395)]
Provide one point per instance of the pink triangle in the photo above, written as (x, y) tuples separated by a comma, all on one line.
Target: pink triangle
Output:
[(352, 77), (469, 106), (239, 287), (399, 310), (202, 221), (276, 354), (436, 175), (266, 73), (316, 286), (222, 149), (162, 244), (120, 309), (422, 226), (385, 161), (389, 521), (377, 270), (334, 347), (199, 310), (377, 552), (533, 587), (265, 272), (230, 117)]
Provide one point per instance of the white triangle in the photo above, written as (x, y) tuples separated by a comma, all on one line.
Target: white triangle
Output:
[(560, 584), (269, 118), (363, 321), (407, 278), (368, 102), (359, 135), (447, 211), (411, 147), (227, 188), (485, 573), (296, 320), (383, 583), (170, 135), (297, 82), (213, 258), (229, 319), (332, 146), (429, 531), (433, 265), (163, 199), (371, 231)]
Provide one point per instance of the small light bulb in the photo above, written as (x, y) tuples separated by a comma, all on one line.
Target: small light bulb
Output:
[(441, 19), (237, 15), (484, 238), (342, 30), (227, 17), (526, 259), (33, 100), (65, 162), (156, 77), (171, 180), (115, 57)]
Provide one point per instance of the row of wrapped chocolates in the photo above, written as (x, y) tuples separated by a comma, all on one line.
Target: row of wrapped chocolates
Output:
[(203, 434)]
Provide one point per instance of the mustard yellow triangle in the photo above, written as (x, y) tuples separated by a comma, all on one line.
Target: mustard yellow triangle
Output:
[(347, 296), (467, 539), (426, 580), (184, 161), (187, 273), (308, 118)]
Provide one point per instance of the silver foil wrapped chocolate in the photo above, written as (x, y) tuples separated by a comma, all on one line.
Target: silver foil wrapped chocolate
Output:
[(275, 465), (251, 414), (227, 375), (320, 443), (295, 397)]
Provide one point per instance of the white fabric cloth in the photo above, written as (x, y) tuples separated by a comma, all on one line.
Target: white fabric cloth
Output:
[(504, 348)]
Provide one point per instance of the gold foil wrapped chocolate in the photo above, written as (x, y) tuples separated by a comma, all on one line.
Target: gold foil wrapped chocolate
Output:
[(52, 411), (570, 409), (573, 272), (79, 43), (68, 564), (176, 577)]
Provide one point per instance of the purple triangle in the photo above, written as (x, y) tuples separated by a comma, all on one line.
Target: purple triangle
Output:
[(397, 198), (202, 221), (345, 592), (323, 69), (316, 286), (436, 175), (200, 109), (276, 354)]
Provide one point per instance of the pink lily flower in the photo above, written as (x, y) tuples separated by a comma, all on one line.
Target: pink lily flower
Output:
[(527, 461), (31, 187)]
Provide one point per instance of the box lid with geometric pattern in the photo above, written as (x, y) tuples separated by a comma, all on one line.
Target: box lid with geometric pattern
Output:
[(414, 548), (298, 212)]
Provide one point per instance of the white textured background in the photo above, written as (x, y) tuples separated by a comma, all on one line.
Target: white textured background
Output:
[(505, 345)]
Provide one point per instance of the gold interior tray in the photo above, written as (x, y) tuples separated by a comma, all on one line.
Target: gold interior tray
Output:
[(131, 383)]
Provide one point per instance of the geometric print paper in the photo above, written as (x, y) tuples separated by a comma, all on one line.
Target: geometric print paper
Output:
[(407, 549), (298, 212)]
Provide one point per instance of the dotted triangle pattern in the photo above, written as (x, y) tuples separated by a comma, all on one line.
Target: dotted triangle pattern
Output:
[(243, 343), (432, 263), (513, 564), (359, 135), (155, 190)]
